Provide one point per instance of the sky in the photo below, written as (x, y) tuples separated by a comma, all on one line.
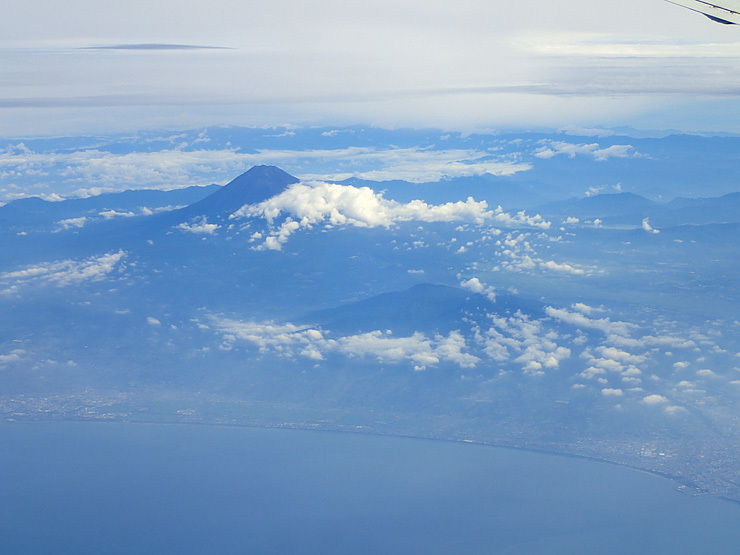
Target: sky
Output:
[(83, 66)]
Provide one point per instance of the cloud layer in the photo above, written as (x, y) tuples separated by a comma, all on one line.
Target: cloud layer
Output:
[(305, 205), (66, 272)]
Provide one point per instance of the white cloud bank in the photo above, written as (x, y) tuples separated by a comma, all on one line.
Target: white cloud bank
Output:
[(308, 204), (91, 172), (556, 148), (67, 272), (311, 342), (604, 325)]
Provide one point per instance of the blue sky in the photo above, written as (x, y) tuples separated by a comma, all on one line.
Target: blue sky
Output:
[(464, 65)]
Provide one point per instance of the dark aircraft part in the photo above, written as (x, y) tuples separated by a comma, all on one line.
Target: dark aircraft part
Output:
[(718, 20)]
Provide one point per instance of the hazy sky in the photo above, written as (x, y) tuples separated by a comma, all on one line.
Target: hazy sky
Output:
[(91, 66)]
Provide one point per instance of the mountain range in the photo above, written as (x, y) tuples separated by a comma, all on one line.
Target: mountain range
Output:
[(273, 301)]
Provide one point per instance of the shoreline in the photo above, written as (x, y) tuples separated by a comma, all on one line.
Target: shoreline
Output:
[(696, 492)]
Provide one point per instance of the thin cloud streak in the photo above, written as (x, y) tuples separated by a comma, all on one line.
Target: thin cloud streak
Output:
[(154, 46)]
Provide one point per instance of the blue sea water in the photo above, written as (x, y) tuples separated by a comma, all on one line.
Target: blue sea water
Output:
[(135, 488)]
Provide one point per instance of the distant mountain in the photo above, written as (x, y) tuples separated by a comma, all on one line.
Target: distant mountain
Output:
[(507, 191), (425, 307), (724, 209), (253, 186), (630, 209), (36, 212), (600, 206)]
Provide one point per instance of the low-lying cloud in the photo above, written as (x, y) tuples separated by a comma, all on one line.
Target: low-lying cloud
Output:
[(306, 205)]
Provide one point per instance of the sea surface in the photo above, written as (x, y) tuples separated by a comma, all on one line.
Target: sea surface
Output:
[(70, 487)]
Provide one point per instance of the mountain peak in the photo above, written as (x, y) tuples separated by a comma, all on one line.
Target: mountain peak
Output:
[(253, 186)]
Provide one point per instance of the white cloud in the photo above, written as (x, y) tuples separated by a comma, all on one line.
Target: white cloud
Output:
[(110, 214), (315, 203), (579, 320), (553, 266), (475, 285), (654, 400), (615, 151), (613, 353), (91, 172), (534, 348), (416, 165), (153, 321), (13, 356), (571, 220), (200, 226), (647, 227), (418, 348), (653, 341), (583, 308), (291, 340), (68, 272), (72, 223), (591, 372), (268, 336), (556, 148), (520, 219), (534, 358), (609, 392)]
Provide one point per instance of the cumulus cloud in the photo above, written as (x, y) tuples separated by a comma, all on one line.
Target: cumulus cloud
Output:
[(604, 325), (13, 356), (612, 353), (520, 219), (110, 214), (524, 339), (71, 223), (517, 254), (647, 227), (312, 342), (475, 285), (199, 226), (269, 336), (583, 308), (654, 400), (67, 272), (653, 341), (556, 148), (535, 358), (308, 204), (609, 392), (553, 266), (418, 348)]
